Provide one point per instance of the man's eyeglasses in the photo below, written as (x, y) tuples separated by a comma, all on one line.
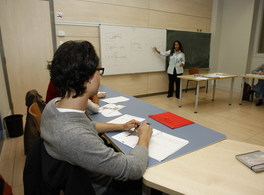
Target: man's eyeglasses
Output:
[(101, 71)]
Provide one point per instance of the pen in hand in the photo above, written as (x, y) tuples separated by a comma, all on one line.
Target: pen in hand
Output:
[(133, 131)]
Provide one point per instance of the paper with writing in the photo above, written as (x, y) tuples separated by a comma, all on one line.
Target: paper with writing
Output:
[(114, 100), (125, 118), (110, 110), (161, 144)]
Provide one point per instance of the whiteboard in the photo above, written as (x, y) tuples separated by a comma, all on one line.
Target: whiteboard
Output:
[(129, 49)]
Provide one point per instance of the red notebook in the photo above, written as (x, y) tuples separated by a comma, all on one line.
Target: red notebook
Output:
[(171, 120)]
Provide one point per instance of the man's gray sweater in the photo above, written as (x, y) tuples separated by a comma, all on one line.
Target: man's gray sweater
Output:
[(72, 137)]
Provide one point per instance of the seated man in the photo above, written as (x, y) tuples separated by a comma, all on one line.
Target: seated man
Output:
[(259, 87), (69, 135)]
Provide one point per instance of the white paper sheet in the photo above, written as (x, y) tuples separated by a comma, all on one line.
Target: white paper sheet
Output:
[(257, 75), (161, 144), (129, 139), (212, 75), (125, 118), (114, 100), (110, 110)]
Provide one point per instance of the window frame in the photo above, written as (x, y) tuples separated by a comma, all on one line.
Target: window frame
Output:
[(259, 26)]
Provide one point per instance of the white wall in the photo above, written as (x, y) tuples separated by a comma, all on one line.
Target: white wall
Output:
[(217, 13), (4, 103), (234, 19), (27, 43)]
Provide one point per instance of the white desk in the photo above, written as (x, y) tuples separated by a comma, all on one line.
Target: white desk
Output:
[(248, 76), (203, 77), (211, 170)]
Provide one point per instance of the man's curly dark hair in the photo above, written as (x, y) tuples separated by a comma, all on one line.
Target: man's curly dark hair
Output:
[(73, 64)]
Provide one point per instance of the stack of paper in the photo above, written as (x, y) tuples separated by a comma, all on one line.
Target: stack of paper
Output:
[(258, 75), (211, 75), (110, 110), (161, 144), (200, 78), (115, 100)]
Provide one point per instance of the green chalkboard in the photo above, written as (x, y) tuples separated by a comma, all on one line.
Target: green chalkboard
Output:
[(196, 47)]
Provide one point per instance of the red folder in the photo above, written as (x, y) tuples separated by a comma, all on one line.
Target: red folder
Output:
[(171, 120)]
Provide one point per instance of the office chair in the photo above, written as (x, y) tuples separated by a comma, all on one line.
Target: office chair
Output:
[(35, 106), (44, 174), (35, 111)]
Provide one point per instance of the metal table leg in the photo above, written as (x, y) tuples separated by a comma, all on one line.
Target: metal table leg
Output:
[(231, 91), (197, 96), (180, 100), (252, 94), (214, 90), (241, 92)]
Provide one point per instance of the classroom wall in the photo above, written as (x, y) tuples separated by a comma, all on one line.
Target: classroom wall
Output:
[(235, 21), (26, 35), (166, 14), (216, 25)]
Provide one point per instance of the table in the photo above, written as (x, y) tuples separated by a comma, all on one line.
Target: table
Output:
[(248, 76), (198, 135), (211, 170), (201, 167), (206, 77)]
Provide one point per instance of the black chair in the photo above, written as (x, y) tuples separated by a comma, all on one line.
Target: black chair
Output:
[(45, 175)]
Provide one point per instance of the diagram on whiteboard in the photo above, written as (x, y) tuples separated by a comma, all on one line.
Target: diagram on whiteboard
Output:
[(129, 49)]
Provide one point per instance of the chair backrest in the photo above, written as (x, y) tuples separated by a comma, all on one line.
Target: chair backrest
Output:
[(44, 174), (193, 70), (35, 111)]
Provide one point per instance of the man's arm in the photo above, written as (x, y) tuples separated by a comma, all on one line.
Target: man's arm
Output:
[(107, 127)]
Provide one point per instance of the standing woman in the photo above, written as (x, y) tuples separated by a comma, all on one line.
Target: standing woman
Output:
[(176, 63)]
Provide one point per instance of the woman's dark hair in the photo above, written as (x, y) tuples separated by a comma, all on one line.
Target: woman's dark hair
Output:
[(173, 47), (73, 64)]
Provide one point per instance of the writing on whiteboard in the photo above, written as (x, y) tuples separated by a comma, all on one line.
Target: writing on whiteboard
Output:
[(129, 49)]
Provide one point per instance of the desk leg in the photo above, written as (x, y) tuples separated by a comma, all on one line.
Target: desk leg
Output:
[(180, 100), (241, 92), (252, 95), (252, 82), (214, 90), (231, 91), (197, 96)]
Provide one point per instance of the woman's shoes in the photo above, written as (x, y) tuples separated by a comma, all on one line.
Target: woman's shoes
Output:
[(168, 96)]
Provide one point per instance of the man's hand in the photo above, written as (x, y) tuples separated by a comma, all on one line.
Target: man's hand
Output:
[(144, 133), (131, 124)]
